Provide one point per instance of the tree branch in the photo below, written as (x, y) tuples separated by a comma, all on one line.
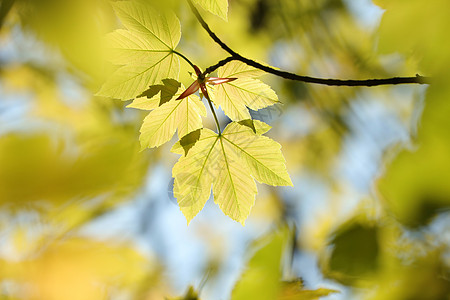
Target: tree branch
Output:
[(221, 63), (287, 75)]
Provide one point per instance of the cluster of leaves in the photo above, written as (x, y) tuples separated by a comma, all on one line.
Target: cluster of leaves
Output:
[(394, 261), (231, 160)]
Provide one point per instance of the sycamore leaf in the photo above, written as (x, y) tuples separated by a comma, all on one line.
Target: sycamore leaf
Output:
[(160, 124), (261, 154), (235, 96), (230, 162), (187, 142), (237, 69), (145, 50), (217, 7)]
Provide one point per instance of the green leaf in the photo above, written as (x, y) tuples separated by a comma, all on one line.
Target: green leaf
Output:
[(235, 96), (261, 279), (229, 162), (261, 155), (145, 50), (239, 69), (160, 124), (355, 253), (217, 7)]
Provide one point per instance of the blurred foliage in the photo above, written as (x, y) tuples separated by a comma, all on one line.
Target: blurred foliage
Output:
[(416, 184), (78, 268), (68, 158), (262, 277), (355, 252)]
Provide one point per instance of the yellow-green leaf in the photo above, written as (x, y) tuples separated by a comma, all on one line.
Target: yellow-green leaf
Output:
[(235, 96), (160, 124), (145, 103), (234, 189), (238, 69), (145, 50), (194, 174), (261, 279), (229, 162), (261, 154), (217, 7)]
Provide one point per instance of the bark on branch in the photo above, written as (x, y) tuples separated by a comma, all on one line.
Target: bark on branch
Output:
[(292, 76)]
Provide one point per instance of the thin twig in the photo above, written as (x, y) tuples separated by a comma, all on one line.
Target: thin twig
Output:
[(221, 63), (287, 75)]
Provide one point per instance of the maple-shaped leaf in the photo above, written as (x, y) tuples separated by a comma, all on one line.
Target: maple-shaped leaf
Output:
[(229, 162), (217, 7), (234, 97), (160, 124), (144, 50)]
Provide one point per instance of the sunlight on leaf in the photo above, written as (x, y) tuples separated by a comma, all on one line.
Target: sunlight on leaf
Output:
[(234, 97), (217, 7), (229, 162), (145, 50), (160, 124)]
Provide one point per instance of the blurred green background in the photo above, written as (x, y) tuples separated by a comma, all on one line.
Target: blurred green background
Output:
[(85, 215)]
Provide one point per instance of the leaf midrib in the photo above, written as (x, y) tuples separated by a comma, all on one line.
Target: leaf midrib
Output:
[(231, 177), (240, 116), (204, 163), (152, 66), (170, 48), (164, 121)]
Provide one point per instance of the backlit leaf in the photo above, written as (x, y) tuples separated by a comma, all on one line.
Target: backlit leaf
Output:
[(160, 125), (234, 97), (261, 154), (217, 7), (230, 162), (145, 50)]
